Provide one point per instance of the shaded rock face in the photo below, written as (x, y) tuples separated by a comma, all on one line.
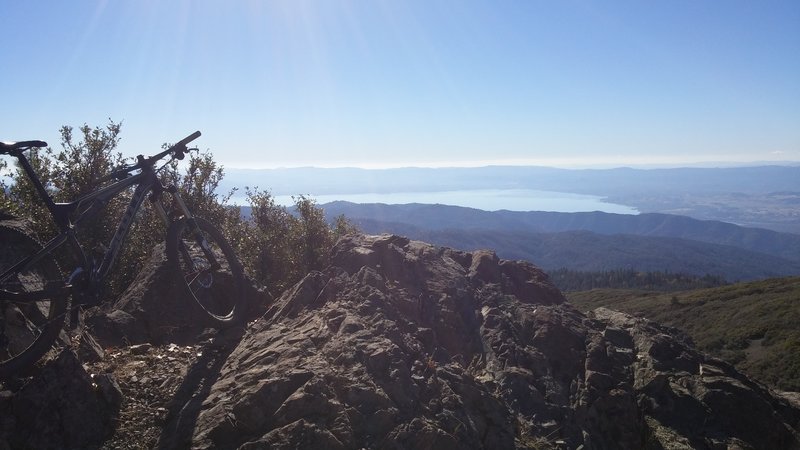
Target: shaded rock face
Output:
[(152, 309), (62, 407), (155, 309), (400, 344)]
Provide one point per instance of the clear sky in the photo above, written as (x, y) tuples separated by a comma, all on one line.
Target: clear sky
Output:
[(374, 83)]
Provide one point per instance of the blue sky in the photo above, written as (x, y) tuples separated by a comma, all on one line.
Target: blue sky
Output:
[(413, 83)]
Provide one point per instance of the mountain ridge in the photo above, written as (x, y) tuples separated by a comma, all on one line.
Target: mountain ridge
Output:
[(581, 249), (426, 216), (762, 196), (603, 182)]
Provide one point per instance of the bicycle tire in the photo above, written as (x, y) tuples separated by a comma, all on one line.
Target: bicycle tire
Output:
[(218, 291), (28, 330)]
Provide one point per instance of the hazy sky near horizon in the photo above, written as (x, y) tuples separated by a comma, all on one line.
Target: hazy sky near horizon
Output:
[(377, 83)]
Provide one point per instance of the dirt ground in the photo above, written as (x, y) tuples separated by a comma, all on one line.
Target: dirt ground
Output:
[(149, 378)]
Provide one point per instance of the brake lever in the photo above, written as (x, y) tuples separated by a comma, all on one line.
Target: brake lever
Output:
[(180, 154)]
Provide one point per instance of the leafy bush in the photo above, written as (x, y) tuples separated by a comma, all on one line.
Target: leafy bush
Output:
[(276, 246), (67, 174)]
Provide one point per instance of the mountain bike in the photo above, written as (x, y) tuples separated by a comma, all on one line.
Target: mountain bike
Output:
[(35, 296)]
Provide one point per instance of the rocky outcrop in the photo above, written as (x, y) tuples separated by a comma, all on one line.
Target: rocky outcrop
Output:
[(60, 407), (154, 309), (400, 344), (397, 344)]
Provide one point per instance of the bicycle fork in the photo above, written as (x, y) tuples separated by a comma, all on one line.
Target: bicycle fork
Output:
[(187, 214)]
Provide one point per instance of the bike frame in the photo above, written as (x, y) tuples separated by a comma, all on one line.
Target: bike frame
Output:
[(86, 207)]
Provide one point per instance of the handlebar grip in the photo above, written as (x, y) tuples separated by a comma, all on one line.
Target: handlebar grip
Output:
[(187, 139), (176, 150)]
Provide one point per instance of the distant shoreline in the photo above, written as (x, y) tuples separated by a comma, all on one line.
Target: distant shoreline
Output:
[(483, 199)]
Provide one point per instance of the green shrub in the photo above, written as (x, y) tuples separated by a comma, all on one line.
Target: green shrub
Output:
[(276, 246)]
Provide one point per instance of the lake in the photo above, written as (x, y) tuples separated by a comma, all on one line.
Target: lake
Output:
[(486, 199)]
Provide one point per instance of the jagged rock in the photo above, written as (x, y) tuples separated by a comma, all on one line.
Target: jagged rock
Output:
[(110, 391), (115, 327), (60, 407), (89, 350), (689, 397), (400, 344)]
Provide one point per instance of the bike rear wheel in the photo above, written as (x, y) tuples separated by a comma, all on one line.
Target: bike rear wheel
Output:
[(208, 269), (27, 329)]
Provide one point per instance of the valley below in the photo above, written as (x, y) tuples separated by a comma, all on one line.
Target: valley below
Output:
[(591, 241), (779, 211), (765, 196)]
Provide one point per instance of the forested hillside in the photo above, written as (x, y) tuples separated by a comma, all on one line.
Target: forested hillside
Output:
[(587, 251), (574, 280), (591, 242), (444, 217), (752, 325)]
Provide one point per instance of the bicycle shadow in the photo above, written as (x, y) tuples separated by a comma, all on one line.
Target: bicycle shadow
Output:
[(185, 407)]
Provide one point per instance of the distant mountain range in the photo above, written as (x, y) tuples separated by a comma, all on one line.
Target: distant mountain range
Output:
[(764, 196), (602, 182), (591, 241)]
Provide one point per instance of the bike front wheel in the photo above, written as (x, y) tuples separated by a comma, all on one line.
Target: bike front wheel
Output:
[(28, 329), (208, 270)]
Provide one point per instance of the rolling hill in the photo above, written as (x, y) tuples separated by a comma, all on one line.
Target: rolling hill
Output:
[(587, 241), (752, 325), (443, 217)]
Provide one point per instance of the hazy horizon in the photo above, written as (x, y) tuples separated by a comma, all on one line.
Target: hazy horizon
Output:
[(575, 166)]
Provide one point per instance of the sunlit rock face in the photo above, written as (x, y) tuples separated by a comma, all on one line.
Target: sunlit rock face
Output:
[(401, 344)]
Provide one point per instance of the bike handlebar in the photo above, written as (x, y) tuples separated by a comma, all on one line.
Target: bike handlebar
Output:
[(187, 139), (178, 149)]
